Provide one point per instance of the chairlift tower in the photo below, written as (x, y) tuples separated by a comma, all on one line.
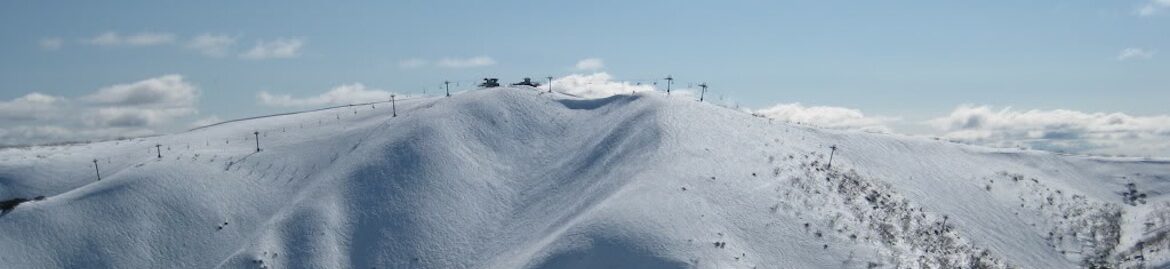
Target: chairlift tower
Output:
[(669, 80), (703, 92), (96, 170), (833, 149), (549, 83)]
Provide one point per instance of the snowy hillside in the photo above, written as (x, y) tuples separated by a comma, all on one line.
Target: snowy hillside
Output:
[(516, 178)]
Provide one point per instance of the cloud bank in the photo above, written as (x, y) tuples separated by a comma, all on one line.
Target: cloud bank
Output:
[(596, 85), (149, 102), (138, 108), (340, 95), (1058, 130), (826, 117)]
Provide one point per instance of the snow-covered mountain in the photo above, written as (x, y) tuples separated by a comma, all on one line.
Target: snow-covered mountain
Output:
[(516, 178)]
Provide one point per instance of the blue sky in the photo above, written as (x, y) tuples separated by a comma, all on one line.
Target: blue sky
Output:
[(909, 64)]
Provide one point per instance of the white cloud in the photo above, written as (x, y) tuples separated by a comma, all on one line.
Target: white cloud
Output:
[(212, 44), (106, 39), (149, 39), (51, 43), (596, 85), (340, 95), (138, 108), (38, 98), (412, 63), (1058, 130), (1153, 7), (134, 116), (590, 64), (32, 106), (478, 61), (168, 91), (110, 39), (281, 48), (148, 102), (826, 117), (1135, 54)]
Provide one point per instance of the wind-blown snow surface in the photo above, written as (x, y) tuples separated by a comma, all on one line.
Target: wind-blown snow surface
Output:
[(513, 178)]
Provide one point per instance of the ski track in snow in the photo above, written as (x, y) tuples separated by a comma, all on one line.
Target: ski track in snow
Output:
[(518, 178)]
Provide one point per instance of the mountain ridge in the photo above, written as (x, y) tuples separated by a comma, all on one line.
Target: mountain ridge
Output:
[(518, 178)]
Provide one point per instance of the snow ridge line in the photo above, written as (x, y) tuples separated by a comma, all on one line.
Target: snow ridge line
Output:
[(306, 111)]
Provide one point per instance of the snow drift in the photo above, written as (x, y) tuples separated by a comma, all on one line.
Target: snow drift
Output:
[(516, 178)]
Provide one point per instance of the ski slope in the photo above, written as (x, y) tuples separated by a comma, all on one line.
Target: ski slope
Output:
[(517, 178)]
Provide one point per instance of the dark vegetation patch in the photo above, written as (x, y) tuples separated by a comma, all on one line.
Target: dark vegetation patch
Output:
[(10, 204)]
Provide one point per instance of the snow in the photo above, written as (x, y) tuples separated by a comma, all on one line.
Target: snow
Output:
[(517, 178)]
